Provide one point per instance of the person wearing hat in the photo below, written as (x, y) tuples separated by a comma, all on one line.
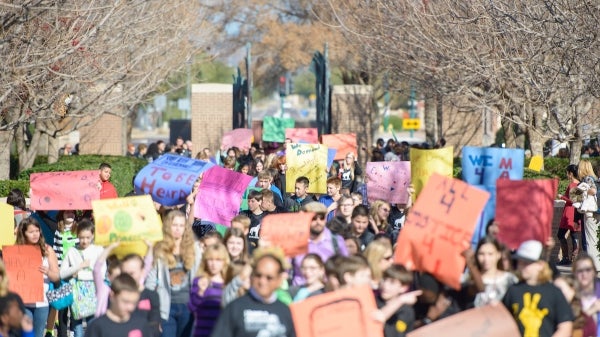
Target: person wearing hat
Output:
[(321, 242), (539, 308)]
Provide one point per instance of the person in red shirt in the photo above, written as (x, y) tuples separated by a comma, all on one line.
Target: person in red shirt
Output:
[(107, 189)]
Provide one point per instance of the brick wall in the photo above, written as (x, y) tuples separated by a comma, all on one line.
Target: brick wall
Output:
[(212, 114), (352, 112), (106, 136)]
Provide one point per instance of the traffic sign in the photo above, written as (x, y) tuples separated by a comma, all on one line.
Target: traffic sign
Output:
[(411, 123)]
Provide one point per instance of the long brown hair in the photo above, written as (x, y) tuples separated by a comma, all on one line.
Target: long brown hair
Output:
[(216, 251), (22, 240), (238, 233), (165, 248)]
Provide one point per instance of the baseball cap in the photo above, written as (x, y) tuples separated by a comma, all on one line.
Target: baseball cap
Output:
[(530, 250)]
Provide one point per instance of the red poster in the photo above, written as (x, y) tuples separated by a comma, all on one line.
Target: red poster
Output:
[(64, 190), (303, 135), (342, 142), (22, 264), (290, 231)]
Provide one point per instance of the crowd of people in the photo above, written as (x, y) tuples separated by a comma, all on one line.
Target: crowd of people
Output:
[(197, 282)]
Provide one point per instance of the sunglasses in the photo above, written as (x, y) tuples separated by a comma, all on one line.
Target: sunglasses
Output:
[(319, 217), (269, 278)]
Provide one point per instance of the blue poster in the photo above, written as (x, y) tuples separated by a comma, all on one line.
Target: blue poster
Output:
[(481, 167), (170, 178)]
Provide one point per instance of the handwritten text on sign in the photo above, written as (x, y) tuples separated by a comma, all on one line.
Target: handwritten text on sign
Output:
[(220, 195), (290, 231), (439, 228), (64, 190), (308, 160), (423, 163), (22, 264), (388, 181), (169, 179)]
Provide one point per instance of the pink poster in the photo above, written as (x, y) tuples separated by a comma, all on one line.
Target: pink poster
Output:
[(64, 190), (388, 180), (240, 138), (220, 195), (524, 210), (303, 135)]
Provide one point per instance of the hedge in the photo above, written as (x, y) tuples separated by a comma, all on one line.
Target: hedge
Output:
[(123, 171)]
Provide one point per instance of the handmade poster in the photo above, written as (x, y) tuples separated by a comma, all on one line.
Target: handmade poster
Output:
[(344, 143), (487, 321), (130, 219), (290, 231), (170, 178), (331, 156), (274, 128), (536, 163), (303, 135), (341, 313), (220, 195), (64, 190), (7, 224), (388, 181), (439, 228), (524, 210), (308, 160), (240, 138), (481, 167), (423, 163), (22, 264)]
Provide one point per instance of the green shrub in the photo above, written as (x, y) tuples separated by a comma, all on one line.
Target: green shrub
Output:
[(7, 185)]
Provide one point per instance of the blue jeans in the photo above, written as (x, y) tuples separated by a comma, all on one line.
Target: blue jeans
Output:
[(180, 321), (78, 325), (40, 317)]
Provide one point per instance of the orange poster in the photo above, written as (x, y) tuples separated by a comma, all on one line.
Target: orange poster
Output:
[(22, 264), (342, 142), (342, 313), (290, 231), (64, 190), (488, 321), (439, 228), (303, 135)]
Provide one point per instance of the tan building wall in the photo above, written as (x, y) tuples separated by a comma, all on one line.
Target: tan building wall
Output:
[(352, 112), (212, 114), (106, 136)]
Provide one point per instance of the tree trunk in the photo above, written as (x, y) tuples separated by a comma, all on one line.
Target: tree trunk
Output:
[(430, 119), (27, 154), (536, 140), (575, 150), (439, 118), (6, 138), (509, 133), (52, 149)]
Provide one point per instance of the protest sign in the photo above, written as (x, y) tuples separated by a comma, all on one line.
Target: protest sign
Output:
[(308, 160), (274, 128), (439, 228), (22, 264), (341, 313), (7, 224), (423, 163), (220, 195), (290, 231), (130, 219), (303, 135), (170, 178), (524, 210), (240, 138), (64, 190), (344, 143), (388, 181), (331, 153), (536, 163), (487, 321), (481, 167)]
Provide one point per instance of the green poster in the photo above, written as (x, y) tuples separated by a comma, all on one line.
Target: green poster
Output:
[(274, 128)]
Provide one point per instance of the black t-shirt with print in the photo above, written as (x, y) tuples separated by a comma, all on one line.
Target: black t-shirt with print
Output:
[(103, 326), (400, 323)]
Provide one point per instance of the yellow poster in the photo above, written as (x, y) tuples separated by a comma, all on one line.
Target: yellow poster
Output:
[(423, 163), (126, 220), (308, 160), (536, 163), (7, 225)]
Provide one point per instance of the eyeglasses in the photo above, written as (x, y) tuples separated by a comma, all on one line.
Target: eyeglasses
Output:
[(584, 270), (319, 217), (269, 278)]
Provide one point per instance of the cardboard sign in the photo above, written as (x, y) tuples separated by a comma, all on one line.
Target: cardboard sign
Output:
[(439, 228), (341, 313), (524, 210), (170, 178), (481, 167), (344, 143), (536, 163), (220, 195), (290, 231), (423, 163), (64, 190), (7, 224), (388, 181), (131, 219), (487, 321), (308, 160), (22, 264), (240, 138), (303, 135), (274, 128)]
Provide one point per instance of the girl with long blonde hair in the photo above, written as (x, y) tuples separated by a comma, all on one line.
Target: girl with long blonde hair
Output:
[(378, 216), (380, 256), (589, 236), (177, 258)]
